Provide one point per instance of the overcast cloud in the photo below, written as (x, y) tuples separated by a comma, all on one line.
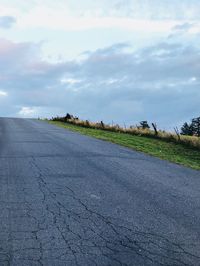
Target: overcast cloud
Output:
[(119, 80)]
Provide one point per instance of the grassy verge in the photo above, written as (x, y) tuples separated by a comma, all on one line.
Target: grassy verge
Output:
[(170, 151)]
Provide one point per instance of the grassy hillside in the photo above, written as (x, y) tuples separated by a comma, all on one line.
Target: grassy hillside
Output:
[(168, 150)]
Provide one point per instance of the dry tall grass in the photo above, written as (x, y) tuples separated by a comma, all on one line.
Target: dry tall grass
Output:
[(189, 141)]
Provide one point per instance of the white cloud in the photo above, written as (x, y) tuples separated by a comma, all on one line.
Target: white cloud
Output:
[(149, 9), (195, 29), (70, 81), (68, 16), (47, 18), (3, 93), (153, 15), (27, 111)]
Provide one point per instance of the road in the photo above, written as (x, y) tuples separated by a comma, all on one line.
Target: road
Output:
[(68, 199)]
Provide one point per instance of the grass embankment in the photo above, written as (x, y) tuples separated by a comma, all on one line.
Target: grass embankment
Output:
[(171, 151)]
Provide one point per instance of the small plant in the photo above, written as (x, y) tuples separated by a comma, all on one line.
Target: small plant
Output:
[(177, 133)]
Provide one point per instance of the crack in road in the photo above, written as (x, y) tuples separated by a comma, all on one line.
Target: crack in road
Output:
[(70, 232), (48, 218)]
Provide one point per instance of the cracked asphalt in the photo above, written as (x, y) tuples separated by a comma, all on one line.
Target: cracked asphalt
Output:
[(68, 199)]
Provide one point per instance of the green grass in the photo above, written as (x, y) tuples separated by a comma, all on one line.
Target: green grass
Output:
[(170, 151)]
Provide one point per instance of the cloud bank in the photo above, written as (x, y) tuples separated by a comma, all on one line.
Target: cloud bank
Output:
[(158, 83)]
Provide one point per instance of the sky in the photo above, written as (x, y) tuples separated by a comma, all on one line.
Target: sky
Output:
[(120, 61)]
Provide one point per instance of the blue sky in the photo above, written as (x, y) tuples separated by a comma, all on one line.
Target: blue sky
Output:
[(122, 61)]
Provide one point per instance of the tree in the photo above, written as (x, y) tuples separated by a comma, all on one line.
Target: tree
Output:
[(68, 116), (191, 129), (186, 129), (144, 125), (196, 126)]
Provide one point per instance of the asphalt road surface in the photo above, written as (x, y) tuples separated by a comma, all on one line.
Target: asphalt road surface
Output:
[(68, 199)]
